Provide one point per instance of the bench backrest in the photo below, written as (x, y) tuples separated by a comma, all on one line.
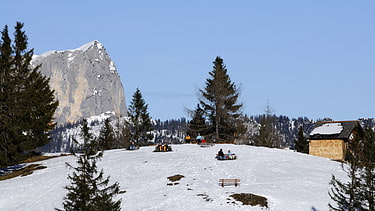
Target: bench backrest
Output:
[(229, 180)]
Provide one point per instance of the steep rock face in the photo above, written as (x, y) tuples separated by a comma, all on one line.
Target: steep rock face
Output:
[(85, 81)]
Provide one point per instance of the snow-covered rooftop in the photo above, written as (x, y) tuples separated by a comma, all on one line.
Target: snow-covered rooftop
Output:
[(328, 129)]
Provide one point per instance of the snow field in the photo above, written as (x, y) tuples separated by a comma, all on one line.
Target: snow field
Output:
[(289, 180)]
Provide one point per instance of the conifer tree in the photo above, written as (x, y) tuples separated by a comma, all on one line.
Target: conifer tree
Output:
[(268, 135), (197, 126), (301, 144), (368, 171), (359, 192), (139, 119), (219, 101), (7, 145), (125, 136), (347, 195), (27, 102), (89, 190), (106, 136)]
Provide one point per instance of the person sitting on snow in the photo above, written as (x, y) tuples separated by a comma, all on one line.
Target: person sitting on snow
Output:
[(220, 155), (187, 139), (231, 155), (132, 146), (159, 148), (199, 138)]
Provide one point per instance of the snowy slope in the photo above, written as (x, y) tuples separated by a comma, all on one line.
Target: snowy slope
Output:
[(289, 180)]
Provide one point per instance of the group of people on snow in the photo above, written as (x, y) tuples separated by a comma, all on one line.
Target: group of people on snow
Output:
[(229, 156), (162, 148)]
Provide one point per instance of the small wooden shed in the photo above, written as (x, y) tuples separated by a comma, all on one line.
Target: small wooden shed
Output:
[(331, 139)]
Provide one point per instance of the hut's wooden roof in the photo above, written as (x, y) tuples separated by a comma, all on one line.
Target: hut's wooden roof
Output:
[(348, 127)]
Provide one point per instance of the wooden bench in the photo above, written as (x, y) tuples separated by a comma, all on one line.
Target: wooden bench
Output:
[(224, 182)]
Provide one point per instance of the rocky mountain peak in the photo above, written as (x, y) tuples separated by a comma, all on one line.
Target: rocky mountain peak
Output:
[(93, 44), (85, 81)]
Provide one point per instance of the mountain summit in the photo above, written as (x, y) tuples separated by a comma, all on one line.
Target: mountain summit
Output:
[(85, 81)]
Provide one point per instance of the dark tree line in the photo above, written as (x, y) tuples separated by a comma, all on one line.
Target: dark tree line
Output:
[(173, 125), (27, 104), (288, 128)]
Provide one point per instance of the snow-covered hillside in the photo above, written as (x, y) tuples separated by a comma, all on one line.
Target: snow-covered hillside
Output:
[(289, 180)]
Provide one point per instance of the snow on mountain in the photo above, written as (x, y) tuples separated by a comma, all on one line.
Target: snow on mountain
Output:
[(289, 180), (83, 48), (86, 46), (101, 117)]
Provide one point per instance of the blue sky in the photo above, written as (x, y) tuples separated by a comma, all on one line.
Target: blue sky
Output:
[(305, 58)]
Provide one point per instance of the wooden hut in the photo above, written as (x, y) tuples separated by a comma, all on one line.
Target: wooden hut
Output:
[(331, 139)]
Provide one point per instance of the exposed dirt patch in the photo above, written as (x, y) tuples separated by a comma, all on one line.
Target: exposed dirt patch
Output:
[(175, 178), (250, 199)]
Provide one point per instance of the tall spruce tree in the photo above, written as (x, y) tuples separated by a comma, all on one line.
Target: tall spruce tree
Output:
[(219, 101), (301, 144), (7, 145), (89, 190), (139, 119), (27, 102)]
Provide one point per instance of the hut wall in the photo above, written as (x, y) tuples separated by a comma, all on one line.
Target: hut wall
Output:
[(333, 149)]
